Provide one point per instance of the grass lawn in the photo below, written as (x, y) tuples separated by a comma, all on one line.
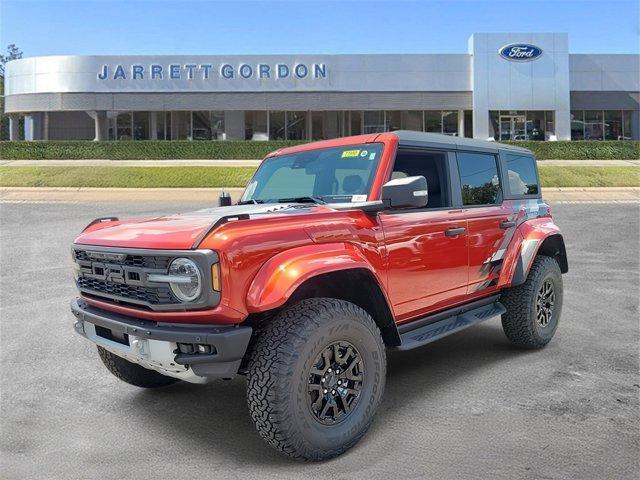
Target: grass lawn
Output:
[(557, 176), (148, 177), (132, 177)]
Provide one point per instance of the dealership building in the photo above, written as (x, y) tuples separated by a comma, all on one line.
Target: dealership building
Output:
[(511, 86)]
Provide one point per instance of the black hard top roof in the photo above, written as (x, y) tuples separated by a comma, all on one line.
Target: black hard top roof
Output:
[(409, 138)]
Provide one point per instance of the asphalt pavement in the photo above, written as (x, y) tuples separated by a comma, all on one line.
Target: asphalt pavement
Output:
[(467, 407)]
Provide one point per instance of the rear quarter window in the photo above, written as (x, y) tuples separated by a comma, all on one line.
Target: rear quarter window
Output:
[(522, 176)]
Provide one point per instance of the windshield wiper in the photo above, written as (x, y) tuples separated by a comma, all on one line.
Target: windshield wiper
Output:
[(249, 202), (308, 199)]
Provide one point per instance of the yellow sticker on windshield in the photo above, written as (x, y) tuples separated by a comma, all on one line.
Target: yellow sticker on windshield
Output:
[(350, 153)]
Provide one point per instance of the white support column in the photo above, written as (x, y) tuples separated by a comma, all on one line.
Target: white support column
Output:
[(101, 125), (461, 123), (563, 124)]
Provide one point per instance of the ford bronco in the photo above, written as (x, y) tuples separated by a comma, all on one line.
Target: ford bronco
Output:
[(337, 251)]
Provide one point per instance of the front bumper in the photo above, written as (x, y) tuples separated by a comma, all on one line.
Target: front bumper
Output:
[(154, 345)]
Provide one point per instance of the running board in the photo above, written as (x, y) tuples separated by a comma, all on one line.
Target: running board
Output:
[(452, 324)]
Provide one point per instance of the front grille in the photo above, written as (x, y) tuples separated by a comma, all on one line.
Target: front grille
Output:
[(150, 295), (142, 261), (113, 274)]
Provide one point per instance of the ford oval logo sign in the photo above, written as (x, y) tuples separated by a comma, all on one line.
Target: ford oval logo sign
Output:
[(520, 52)]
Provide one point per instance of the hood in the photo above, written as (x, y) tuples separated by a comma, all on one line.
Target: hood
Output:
[(177, 232)]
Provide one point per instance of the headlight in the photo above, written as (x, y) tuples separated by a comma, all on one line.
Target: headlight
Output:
[(186, 279)]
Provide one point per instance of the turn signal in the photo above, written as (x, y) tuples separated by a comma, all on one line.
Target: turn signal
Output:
[(215, 277)]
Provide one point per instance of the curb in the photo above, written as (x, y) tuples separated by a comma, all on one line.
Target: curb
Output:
[(210, 195)]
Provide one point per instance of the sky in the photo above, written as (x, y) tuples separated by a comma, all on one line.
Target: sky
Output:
[(103, 27)]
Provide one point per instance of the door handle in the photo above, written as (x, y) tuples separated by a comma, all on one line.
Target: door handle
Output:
[(507, 224), (452, 232)]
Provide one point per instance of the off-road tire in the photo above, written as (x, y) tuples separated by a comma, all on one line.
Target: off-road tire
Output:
[(520, 323), (278, 377), (132, 373)]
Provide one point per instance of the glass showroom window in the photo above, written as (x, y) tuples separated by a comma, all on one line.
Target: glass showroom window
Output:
[(163, 125), (626, 125), (201, 126), (256, 125), (277, 126), (373, 121), (296, 125), (355, 122), (613, 125), (433, 121), (326, 125), (404, 120), (450, 123), (217, 125), (287, 125), (180, 125), (593, 128), (140, 125), (535, 126), (123, 126), (601, 124), (577, 125), (208, 125)]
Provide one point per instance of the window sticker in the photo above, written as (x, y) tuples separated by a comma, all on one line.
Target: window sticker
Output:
[(350, 153), (372, 156), (358, 198), (364, 153)]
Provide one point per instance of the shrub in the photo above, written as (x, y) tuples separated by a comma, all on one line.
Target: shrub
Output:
[(138, 150), (583, 150), (240, 150)]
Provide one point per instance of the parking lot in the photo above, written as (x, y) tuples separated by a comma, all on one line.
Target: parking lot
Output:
[(467, 407)]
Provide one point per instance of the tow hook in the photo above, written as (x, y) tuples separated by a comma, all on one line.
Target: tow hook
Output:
[(139, 345), (78, 325)]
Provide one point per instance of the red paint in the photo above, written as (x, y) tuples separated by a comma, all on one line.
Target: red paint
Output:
[(264, 259)]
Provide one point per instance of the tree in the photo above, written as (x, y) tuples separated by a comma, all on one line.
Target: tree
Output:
[(13, 53)]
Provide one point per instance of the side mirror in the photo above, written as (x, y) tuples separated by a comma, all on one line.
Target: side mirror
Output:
[(408, 192), (224, 200)]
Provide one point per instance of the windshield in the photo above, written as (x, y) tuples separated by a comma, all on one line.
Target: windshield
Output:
[(340, 174)]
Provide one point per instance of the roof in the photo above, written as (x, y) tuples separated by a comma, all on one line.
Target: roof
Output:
[(409, 138)]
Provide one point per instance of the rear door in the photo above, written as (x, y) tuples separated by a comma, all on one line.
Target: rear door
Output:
[(488, 218)]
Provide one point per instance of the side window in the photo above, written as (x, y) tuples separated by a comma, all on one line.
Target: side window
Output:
[(521, 170), (479, 178), (430, 165)]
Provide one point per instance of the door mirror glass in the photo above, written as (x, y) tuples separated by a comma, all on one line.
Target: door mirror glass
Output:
[(408, 192)]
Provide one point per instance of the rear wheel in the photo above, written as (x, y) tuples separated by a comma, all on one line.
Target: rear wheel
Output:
[(132, 373), (316, 377), (534, 308)]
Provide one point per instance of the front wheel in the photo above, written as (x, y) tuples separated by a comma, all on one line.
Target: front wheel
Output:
[(316, 377), (534, 308)]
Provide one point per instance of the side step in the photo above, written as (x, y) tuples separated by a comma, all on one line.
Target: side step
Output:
[(441, 328)]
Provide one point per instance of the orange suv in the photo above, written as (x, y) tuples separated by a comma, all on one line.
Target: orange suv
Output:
[(337, 251)]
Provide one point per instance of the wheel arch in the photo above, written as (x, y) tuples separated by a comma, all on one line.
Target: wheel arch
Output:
[(335, 270), (551, 245), (357, 286)]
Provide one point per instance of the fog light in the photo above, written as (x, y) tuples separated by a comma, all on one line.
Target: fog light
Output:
[(204, 348)]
